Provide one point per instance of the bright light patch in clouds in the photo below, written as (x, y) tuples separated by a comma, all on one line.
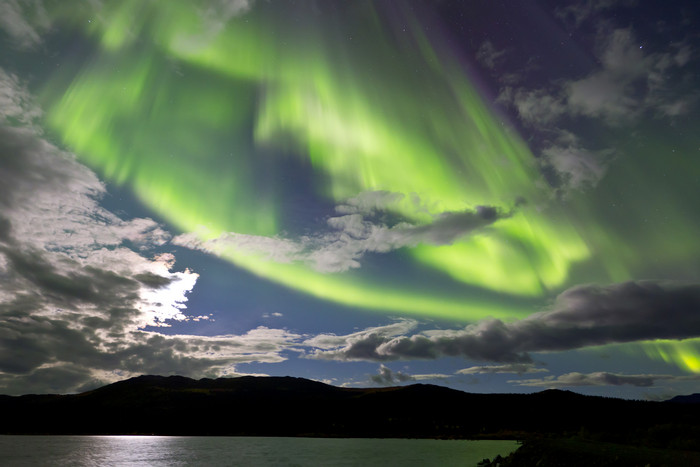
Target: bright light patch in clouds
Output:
[(167, 301), (70, 283)]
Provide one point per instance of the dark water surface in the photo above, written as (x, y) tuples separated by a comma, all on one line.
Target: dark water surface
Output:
[(252, 451)]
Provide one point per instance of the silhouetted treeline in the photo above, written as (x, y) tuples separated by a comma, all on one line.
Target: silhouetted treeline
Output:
[(285, 406)]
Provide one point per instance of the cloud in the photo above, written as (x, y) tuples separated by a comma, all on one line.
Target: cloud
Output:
[(583, 316), (628, 83), (24, 21), (535, 107), (355, 236), (570, 166), (578, 12), (15, 102), (488, 56), (352, 235), (370, 202), (610, 93), (519, 368), (600, 378), (388, 377), (87, 357), (224, 10), (272, 315), (79, 286), (214, 15), (359, 345)]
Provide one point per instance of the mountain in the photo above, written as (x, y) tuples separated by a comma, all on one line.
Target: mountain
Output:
[(286, 406), (689, 399)]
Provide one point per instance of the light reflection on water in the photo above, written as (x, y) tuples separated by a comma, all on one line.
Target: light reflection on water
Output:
[(244, 451)]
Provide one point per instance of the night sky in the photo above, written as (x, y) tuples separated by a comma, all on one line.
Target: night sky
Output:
[(496, 196)]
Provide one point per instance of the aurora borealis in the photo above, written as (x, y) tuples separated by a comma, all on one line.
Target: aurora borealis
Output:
[(321, 188)]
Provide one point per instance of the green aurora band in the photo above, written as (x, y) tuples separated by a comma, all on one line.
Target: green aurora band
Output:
[(193, 113)]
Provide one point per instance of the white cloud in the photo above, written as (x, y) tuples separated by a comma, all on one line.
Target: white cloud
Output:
[(332, 341), (261, 344), (75, 297), (275, 249), (351, 235), (272, 315), (519, 368)]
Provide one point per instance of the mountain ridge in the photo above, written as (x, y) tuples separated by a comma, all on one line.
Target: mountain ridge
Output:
[(291, 406)]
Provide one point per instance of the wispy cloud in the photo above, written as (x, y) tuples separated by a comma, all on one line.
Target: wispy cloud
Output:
[(575, 167), (629, 83), (214, 16), (600, 378), (488, 55), (24, 21), (519, 368), (348, 237), (15, 101), (578, 12)]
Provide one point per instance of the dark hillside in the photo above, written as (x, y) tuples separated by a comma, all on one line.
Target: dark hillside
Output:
[(285, 406)]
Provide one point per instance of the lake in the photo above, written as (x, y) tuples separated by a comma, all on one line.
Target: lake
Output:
[(253, 451)]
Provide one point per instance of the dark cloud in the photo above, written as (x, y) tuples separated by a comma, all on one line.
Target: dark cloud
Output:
[(152, 280), (5, 230), (66, 378), (23, 164), (583, 316), (601, 378), (449, 226), (386, 377), (91, 284)]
